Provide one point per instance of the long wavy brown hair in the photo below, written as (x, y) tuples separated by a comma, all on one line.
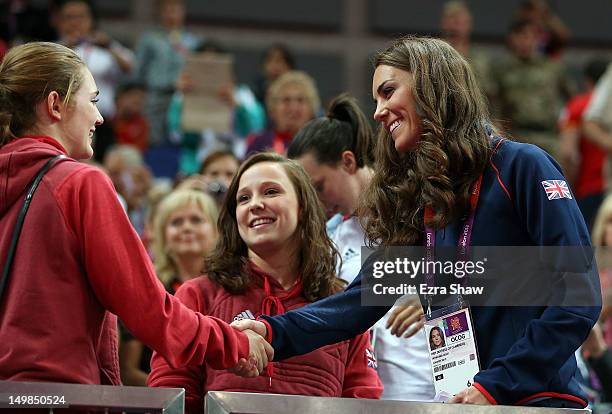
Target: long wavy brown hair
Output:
[(227, 265), (452, 152)]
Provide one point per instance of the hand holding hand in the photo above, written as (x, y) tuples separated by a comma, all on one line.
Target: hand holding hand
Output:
[(255, 326), (260, 353)]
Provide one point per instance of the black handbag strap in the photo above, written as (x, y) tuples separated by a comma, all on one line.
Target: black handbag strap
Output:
[(21, 218)]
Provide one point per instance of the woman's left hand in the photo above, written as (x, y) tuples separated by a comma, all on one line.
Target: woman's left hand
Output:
[(406, 314), (470, 395)]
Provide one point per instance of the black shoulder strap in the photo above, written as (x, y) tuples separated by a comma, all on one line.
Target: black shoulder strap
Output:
[(21, 218)]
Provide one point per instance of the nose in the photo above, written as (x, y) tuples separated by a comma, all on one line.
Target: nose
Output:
[(99, 118), (380, 112), (257, 204)]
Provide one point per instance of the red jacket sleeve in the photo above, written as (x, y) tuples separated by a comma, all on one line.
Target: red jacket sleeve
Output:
[(360, 378), (192, 378), (122, 277)]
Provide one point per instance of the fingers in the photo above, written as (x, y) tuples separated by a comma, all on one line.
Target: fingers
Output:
[(260, 351), (404, 317), (244, 369), (458, 398), (470, 395), (255, 326), (414, 328), (393, 315)]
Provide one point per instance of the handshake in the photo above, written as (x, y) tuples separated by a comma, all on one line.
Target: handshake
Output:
[(260, 351)]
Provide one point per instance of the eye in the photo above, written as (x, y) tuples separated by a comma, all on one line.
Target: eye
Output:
[(176, 222), (242, 198), (271, 191), (95, 101), (388, 91), (197, 220)]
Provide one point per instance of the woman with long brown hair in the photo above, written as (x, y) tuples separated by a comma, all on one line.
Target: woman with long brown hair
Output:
[(273, 255), (444, 178)]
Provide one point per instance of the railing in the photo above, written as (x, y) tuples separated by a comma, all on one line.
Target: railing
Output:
[(56, 397), (245, 403)]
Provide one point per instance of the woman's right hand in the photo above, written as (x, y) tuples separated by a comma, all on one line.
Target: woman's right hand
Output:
[(406, 318), (260, 351)]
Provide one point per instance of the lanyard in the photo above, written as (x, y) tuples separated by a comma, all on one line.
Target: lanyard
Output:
[(465, 237)]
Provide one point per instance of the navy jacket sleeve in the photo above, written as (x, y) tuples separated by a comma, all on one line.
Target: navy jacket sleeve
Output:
[(545, 349), (327, 321)]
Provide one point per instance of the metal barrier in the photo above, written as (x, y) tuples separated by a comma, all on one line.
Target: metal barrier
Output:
[(56, 397), (245, 403)]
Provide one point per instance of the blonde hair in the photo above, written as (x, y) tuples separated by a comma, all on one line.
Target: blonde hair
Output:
[(164, 264), (294, 77), (28, 74)]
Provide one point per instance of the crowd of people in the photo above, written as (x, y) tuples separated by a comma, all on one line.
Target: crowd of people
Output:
[(262, 224)]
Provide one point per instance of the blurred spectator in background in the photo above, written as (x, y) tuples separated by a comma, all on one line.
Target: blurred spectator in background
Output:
[(22, 21), (106, 57), (552, 34), (292, 100), (598, 115), (598, 356), (248, 117), (531, 90), (220, 167), (602, 241), (185, 232), (130, 126), (108, 60), (215, 176), (132, 180), (596, 348), (277, 60), (456, 29), (160, 56), (582, 158)]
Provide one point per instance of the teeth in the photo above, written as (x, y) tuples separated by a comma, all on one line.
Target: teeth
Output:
[(393, 126), (261, 221)]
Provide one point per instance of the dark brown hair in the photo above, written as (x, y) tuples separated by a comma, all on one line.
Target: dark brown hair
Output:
[(453, 149), (28, 74), (227, 265)]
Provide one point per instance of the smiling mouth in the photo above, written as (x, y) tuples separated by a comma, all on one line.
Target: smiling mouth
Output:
[(262, 221), (394, 126)]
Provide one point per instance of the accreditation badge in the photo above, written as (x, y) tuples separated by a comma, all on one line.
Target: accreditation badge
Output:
[(452, 349)]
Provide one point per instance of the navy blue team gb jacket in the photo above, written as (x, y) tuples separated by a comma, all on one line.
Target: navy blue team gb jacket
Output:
[(526, 353)]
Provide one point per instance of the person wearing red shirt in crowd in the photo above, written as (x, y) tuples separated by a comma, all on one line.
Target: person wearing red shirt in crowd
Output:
[(582, 158), (130, 125), (273, 255)]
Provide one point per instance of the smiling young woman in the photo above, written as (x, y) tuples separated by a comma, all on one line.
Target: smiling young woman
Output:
[(273, 255)]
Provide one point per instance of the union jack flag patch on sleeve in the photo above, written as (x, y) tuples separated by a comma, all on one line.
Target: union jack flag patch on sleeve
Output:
[(556, 189), (371, 359)]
